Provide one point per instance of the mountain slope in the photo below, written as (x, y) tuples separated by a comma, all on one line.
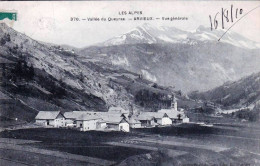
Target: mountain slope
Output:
[(48, 77), (187, 60), (243, 92)]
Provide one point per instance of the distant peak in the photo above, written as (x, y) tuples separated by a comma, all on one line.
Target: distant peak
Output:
[(202, 28), (147, 26)]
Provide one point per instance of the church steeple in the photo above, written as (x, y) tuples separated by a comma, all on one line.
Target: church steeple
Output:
[(131, 110), (174, 102)]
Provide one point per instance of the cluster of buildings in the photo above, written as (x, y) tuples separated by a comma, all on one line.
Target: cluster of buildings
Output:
[(116, 119)]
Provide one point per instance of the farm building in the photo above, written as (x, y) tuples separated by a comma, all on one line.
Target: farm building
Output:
[(101, 125), (103, 120), (70, 119), (175, 116), (158, 118), (134, 123), (50, 119), (87, 122), (116, 122), (146, 120)]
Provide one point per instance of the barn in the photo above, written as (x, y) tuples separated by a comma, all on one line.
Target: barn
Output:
[(155, 118), (134, 123), (50, 119), (118, 125), (115, 122), (70, 119), (146, 120), (87, 122)]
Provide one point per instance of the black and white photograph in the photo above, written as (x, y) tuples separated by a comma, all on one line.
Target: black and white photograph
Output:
[(133, 83)]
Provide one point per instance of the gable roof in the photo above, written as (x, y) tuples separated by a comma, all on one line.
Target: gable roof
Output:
[(133, 120), (144, 117), (111, 118), (151, 115), (116, 121), (87, 117), (48, 115), (72, 115), (108, 117), (173, 114)]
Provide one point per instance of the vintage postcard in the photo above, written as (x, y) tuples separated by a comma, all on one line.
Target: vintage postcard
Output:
[(133, 83)]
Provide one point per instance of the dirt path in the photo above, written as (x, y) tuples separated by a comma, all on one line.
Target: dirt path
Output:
[(165, 142)]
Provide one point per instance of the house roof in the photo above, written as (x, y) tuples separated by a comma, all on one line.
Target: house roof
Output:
[(133, 120), (116, 121), (111, 118), (47, 115), (105, 116), (144, 117), (71, 115), (87, 117), (150, 115), (173, 114)]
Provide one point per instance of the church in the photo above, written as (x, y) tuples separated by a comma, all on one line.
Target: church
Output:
[(164, 117), (174, 114)]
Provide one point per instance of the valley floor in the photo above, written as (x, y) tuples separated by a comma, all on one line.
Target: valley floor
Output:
[(187, 144)]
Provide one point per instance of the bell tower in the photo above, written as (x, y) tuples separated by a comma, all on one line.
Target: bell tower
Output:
[(174, 102), (131, 110)]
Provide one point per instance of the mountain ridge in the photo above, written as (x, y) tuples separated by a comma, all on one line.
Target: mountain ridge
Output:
[(150, 34), (196, 61), (240, 93)]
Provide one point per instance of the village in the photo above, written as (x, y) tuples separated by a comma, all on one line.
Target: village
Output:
[(116, 119)]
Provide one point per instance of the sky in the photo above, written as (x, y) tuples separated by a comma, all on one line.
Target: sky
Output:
[(50, 21)]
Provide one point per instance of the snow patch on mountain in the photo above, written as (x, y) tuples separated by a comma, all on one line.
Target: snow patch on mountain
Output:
[(120, 61), (149, 76), (165, 38), (150, 34), (116, 41)]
